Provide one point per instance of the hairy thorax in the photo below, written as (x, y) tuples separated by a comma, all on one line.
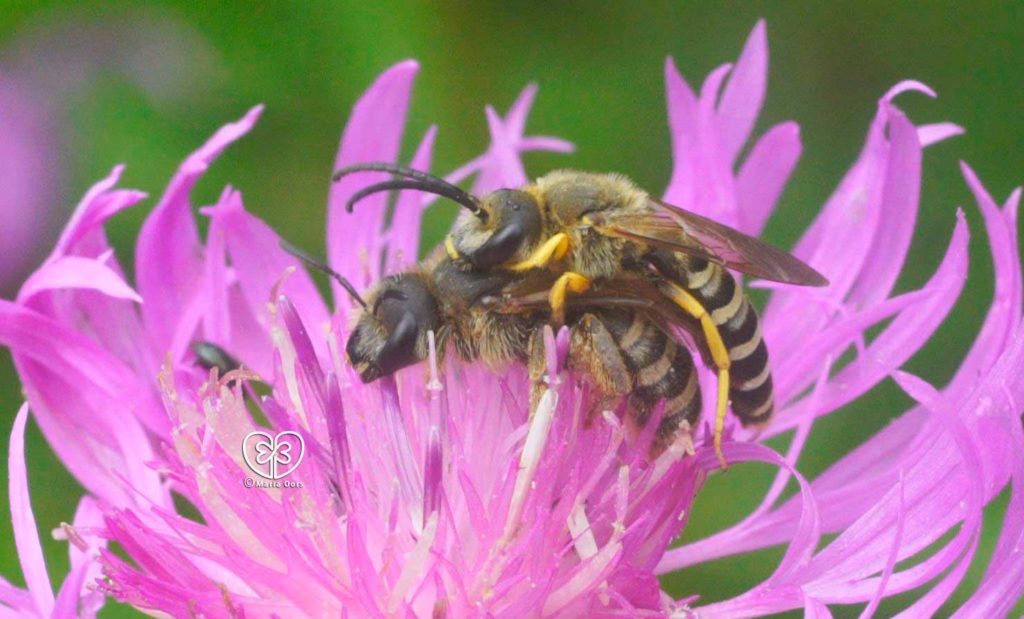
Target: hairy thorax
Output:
[(572, 199), (475, 332)]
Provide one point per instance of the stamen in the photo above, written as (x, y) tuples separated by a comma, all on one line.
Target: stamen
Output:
[(621, 503), (415, 565), (433, 385), (337, 433), (68, 532), (582, 535), (551, 355), (432, 472), (540, 427), (399, 446)]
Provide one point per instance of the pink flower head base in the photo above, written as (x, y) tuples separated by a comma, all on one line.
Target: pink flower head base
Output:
[(433, 492)]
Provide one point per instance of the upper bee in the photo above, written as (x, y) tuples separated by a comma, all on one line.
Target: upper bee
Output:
[(497, 229)]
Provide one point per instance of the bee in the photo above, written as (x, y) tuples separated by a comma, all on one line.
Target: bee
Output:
[(591, 228), (442, 296), (621, 346)]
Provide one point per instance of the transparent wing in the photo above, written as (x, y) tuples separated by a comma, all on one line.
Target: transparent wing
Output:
[(678, 230)]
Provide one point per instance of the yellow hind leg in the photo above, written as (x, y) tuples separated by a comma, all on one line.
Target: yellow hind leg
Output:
[(719, 355), (566, 283)]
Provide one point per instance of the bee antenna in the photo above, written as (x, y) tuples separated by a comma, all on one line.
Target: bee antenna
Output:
[(440, 190), (323, 268), (429, 183)]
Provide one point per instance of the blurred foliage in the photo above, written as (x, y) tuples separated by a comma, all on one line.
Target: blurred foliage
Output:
[(600, 70)]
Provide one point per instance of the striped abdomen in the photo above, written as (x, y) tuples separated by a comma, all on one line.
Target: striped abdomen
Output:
[(750, 378), (661, 368)]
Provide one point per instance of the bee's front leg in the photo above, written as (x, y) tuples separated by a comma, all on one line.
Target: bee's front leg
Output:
[(555, 248)]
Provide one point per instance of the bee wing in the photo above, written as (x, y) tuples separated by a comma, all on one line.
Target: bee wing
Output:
[(675, 229)]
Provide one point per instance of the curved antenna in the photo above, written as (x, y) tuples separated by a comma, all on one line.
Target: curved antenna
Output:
[(323, 268), (442, 191), (428, 182)]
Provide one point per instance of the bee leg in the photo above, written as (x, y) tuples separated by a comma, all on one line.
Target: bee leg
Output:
[(594, 352), (566, 282), (719, 354), (552, 249)]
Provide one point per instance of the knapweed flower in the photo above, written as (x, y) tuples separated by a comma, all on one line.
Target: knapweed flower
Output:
[(433, 493)]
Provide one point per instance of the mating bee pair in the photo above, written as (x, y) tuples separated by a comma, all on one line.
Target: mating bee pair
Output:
[(624, 271)]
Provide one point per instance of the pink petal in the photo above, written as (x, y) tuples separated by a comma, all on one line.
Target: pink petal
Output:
[(836, 244), (26, 535), (898, 208), (762, 599), (261, 266), (906, 334), (832, 489), (515, 120), (79, 391), (69, 597), (890, 563), (1005, 312), (99, 204), (764, 174), (216, 318), (744, 94), (933, 134), (168, 257), (908, 86), (373, 133), (16, 599), (502, 166), (82, 273), (814, 609), (88, 523), (505, 135), (683, 111), (1004, 578), (404, 231), (541, 142)]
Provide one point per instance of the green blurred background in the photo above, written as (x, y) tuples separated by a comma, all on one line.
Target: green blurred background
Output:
[(600, 68)]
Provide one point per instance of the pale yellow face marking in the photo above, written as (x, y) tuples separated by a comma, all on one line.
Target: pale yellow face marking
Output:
[(449, 247)]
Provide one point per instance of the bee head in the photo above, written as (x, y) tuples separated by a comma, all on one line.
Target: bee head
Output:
[(391, 332), (505, 225), (510, 228)]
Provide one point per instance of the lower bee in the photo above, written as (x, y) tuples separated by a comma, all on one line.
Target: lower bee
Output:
[(592, 228), (622, 347), (440, 296)]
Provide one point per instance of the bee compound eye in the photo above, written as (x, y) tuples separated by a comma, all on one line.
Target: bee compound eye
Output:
[(400, 348), (502, 245)]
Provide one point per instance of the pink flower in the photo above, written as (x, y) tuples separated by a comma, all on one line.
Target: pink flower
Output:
[(430, 493)]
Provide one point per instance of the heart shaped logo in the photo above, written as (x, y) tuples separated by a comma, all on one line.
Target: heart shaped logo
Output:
[(273, 457)]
